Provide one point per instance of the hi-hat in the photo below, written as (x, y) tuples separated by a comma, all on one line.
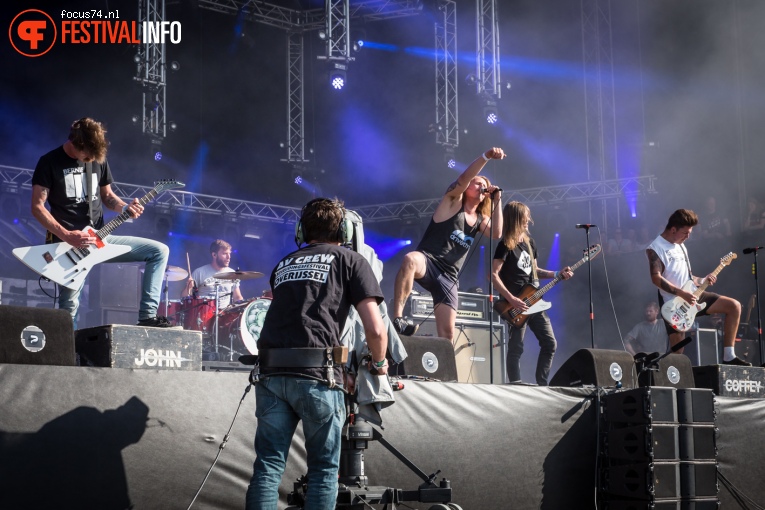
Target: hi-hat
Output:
[(175, 273), (238, 275)]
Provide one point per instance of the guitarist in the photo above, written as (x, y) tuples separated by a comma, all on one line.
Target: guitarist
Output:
[(60, 178), (670, 269), (515, 266)]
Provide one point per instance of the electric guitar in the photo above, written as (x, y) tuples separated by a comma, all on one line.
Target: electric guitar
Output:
[(532, 296), (67, 265), (678, 312)]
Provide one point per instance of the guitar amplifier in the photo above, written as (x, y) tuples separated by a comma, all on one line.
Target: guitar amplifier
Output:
[(471, 308)]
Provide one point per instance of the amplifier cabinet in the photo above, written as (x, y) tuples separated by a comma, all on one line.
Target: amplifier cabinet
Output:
[(471, 308), (475, 350)]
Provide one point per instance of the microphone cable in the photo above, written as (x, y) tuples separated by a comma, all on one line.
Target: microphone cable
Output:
[(221, 446)]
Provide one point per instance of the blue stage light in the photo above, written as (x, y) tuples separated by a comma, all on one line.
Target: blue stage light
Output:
[(491, 118), (298, 179), (338, 82), (157, 156), (451, 163)]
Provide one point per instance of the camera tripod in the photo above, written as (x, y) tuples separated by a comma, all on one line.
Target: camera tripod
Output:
[(354, 493)]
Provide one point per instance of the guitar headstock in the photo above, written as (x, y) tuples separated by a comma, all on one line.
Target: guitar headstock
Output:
[(592, 252), (166, 184), (726, 260)]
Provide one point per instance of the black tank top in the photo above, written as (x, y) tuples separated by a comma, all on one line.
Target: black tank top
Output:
[(448, 242)]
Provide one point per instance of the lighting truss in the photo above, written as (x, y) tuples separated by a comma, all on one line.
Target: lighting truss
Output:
[(150, 71), (21, 179), (295, 111), (487, 58), (447, 116), (338, 31)]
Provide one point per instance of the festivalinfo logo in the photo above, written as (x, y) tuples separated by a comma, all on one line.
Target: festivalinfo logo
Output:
[(34, 32)]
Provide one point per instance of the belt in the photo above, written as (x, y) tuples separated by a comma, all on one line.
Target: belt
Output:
[(303, 357)]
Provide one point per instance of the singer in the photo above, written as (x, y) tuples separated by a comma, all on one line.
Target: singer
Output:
[(670, 269), (513, 268), (464, 210)]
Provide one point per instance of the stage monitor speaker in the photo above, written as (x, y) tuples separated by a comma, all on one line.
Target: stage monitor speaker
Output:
[(430, 357), (597, 367), (36, 336), (475, 350), (673, 371)]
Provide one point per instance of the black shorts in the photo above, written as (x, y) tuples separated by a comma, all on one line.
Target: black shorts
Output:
[(706, 297), (441, 286)]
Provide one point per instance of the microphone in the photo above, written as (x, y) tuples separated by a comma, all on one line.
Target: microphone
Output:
[(747, 251), (585, 225), (486, 190), (650, 361)]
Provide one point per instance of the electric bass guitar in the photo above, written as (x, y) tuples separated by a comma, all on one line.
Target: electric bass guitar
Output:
[(532, 295), (67, 265), (678, 312)]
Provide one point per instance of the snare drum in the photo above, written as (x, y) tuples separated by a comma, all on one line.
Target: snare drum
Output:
[(241, 325), (196, 314)]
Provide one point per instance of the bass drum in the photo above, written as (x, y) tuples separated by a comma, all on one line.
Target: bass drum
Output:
[(241, 325)]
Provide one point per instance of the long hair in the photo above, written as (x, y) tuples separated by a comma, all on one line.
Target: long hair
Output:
[(513, 216), (89, 135), (484, 208)]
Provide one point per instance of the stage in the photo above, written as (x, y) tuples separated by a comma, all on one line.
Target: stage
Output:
[(100, 438)]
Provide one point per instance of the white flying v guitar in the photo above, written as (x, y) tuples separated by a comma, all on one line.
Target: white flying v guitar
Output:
[(678, 312), (68, 266)]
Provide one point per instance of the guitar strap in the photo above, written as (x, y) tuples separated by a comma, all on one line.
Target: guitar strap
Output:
[(687, 261), (89, 185)]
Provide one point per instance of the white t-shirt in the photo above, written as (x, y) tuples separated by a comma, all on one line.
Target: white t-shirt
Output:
[(676, 264), (203, 276)]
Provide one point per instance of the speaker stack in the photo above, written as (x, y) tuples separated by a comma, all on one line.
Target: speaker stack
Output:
[(479, 354), (658, 450), (597, 367)]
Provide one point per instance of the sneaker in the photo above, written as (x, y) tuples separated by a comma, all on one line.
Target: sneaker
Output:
[(404, 326), (737, 361), (155, 322)]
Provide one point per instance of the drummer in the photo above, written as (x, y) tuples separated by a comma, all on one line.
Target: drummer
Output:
[(202, 282)]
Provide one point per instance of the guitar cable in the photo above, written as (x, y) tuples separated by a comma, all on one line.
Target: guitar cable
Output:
[(608, 287)]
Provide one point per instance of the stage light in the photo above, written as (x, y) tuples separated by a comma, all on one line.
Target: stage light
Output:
[(322, 35), (173, 126), (338, 76), (490, 112), (298, 179), (174, 65), (491, 117), (451, 163), (135, 119), (158, 156)]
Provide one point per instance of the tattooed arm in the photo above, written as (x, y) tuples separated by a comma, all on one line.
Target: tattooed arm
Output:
[(46, 219), (656, 267), (113, 202)]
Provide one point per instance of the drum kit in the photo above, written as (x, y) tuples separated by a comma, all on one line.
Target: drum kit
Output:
[(240, 322)]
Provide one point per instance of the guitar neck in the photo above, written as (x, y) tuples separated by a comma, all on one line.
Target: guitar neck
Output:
[(704, 286), (542, 290), (125, 215)]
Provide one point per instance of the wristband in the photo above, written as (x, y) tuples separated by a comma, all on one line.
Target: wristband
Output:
[(379, 364), (483, 155), (555, 275)]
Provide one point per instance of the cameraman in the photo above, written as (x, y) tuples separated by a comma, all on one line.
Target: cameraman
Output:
[(313, 290)]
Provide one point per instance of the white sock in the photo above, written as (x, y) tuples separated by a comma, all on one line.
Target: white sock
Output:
[(729, 353)]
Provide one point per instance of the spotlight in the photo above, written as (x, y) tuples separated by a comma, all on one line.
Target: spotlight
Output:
[(135, 119), (322, 35), (338, 75), (298, 179), (137, 58), (158, 156), (174, 65), (451, 163), (471, 79), (490, 112), (173, 126), (449, 159)]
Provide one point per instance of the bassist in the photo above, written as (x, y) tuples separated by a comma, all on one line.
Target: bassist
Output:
[(513, 267), (60, 179), (671, 269)]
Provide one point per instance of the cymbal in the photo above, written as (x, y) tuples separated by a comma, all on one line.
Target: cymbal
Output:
[(175, 273), (238, 275)]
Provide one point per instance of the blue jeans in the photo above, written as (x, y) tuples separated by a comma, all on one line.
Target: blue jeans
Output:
[(283, 401), (155, 255), (542, 329)]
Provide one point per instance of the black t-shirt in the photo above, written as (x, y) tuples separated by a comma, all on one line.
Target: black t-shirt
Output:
[(65, 178), (314, 288), (447, 243), (516, 269)]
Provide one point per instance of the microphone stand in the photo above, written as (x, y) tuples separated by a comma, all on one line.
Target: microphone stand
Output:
[(589, 281), (491, 293), (757, 300)]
